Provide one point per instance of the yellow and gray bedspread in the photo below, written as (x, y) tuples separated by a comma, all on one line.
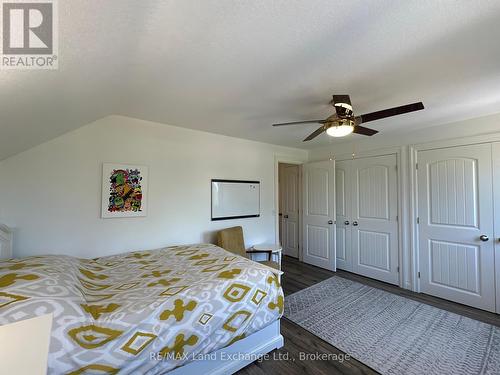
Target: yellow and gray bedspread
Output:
[(140, 312)]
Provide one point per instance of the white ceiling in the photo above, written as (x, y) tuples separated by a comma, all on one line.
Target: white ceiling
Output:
[(235, 67)]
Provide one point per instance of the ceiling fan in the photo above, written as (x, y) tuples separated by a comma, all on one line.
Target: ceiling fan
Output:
[(343, 122)]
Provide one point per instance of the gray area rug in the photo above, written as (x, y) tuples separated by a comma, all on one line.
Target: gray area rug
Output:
[(393, 334)]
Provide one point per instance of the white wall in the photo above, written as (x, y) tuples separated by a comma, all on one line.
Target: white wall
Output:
[(51, 194), (384, 139)]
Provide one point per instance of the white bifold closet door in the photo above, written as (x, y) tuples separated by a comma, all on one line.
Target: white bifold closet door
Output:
[(366, 215), (343, 214), (455, 209), (318, 180)]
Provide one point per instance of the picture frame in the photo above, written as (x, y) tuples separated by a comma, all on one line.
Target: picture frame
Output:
[(124, 190)]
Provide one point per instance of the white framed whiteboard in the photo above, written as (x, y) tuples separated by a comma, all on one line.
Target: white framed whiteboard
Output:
[(235, 199)]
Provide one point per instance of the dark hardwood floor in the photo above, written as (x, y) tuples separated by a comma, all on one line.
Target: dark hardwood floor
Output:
[(287, 360)]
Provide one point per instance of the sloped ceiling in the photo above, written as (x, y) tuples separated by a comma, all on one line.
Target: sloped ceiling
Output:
[(235, 67)]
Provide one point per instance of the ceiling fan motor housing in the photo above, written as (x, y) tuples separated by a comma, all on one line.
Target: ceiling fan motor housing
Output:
[(344, 110)]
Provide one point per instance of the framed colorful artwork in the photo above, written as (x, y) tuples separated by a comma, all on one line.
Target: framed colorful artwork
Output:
[(124, 190)]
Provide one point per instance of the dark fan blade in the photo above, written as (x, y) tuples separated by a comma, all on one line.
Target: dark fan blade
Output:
[(315, 134), (365, 131), (390, 112), (341, 99), (300, 122)]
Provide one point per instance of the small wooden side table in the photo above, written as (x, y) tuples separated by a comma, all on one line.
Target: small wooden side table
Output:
[(275, 248)]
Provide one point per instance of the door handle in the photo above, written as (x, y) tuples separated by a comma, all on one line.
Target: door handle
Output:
[(286, 216), (355, 223), (330, 222), (484, 237), (346, 222)]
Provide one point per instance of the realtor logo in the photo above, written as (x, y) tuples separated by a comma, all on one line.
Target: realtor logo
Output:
[(29, 34)]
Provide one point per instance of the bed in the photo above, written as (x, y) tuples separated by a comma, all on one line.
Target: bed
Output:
[(181, 309)]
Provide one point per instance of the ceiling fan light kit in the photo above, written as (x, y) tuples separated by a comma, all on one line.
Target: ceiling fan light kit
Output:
[(343, 122), (340, 129)]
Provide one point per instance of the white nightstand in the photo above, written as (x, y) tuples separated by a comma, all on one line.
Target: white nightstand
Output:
[(25, 346)]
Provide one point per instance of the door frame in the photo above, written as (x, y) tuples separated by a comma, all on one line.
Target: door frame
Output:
[(287, 160), (413, 150)]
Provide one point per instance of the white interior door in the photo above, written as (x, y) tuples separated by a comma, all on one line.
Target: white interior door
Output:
[(290, 210), (496, 198), (280, 203), (455, 209), (374, 224), (319, 214), (343, 214)]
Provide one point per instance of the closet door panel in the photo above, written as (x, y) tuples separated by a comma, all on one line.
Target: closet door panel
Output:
[(319, 214), (343, 217), (374, 218)]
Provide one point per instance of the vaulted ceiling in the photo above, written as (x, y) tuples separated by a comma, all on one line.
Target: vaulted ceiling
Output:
[(235, 67)]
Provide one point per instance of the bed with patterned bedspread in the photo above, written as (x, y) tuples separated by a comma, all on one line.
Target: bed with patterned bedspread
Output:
[(141, 312)]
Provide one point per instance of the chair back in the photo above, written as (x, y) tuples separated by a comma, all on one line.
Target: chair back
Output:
[(231, 239)]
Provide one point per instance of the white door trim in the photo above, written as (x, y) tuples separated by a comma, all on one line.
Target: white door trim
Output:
[(495, 153), (413, 214), (288, 160), (363, 154), (453, 142)]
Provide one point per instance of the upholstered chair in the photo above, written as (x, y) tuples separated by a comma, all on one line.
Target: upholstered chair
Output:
[(231, 239)]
